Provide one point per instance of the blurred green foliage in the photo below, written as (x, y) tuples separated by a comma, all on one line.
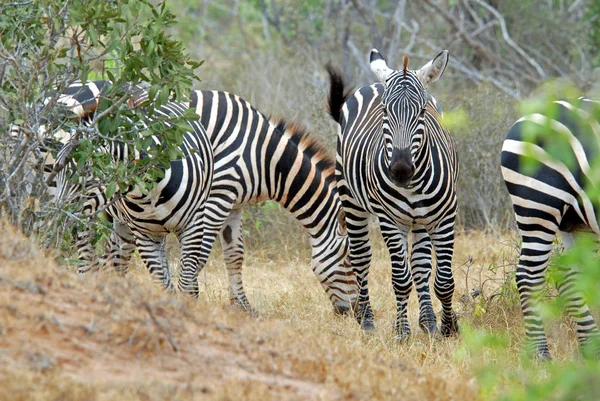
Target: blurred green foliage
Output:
[(491, 354)]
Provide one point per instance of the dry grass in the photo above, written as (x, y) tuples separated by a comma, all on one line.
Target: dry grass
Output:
[(70, 337)]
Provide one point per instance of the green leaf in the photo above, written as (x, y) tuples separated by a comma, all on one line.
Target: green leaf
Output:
[(164, 95), (111, 188)]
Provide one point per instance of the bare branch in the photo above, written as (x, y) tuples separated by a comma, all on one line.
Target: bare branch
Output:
[(509, 40)]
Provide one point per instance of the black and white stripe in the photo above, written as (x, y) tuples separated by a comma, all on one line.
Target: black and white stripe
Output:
[(547, 161), (396, 161), (176, 204)]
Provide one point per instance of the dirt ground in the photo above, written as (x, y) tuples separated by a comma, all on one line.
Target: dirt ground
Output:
[(100, 336), (70, 337)]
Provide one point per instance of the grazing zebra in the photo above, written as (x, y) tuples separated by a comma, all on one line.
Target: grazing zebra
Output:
[(397, 162), (258, 159), (176, 204), (548, 190)]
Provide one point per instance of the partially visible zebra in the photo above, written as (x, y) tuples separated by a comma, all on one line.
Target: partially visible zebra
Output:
[(396, 161), (258, 159), (176, 204), (549, 193)]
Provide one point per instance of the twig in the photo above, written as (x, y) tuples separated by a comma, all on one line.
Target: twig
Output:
[(509, 40)]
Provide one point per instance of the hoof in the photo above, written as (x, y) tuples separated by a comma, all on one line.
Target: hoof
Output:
[(245, 306), (449, 328), (367, 325), (427, 322), (403, 336)]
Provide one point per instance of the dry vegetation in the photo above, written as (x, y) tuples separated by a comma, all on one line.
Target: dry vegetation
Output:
[(71, 337)]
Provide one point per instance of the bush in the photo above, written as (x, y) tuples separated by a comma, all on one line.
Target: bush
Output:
[(47, 46)]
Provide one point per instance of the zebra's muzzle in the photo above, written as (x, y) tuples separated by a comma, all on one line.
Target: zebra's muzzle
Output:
[(402, 167)]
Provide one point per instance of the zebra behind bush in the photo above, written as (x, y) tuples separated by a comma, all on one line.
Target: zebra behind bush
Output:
[(396, 161), (548, 163), (176, 203)]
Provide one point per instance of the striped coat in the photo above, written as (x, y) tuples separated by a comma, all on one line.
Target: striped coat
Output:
[(397, 162)]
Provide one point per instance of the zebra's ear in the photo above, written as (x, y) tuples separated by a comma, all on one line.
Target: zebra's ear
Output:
[(433, 70), (378, 66)]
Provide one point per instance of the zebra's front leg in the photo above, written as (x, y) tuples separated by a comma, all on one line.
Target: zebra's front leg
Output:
[(396, 240), (122, 246), (153, 254), (443, 244), (357, 224), (89, 261), (421, 266), (232, 242)]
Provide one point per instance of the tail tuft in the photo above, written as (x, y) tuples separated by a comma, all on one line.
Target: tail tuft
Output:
[(337, 96)]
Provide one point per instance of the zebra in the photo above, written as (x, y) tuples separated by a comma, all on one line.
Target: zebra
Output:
[(256, 159), (396, 161), (176, 204), (548, 192)]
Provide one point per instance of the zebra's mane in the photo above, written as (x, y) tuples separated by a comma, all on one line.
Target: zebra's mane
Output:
[(405, 63), (308, 145)]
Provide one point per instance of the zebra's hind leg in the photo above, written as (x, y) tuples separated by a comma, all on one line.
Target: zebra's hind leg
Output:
[(577, 308), (396, 240), (232, 242), (357, 224), (153, 254), (420, 263), (443, 245), (530, 277)]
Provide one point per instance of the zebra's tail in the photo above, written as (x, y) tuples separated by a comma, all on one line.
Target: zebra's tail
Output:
[(337, 96)]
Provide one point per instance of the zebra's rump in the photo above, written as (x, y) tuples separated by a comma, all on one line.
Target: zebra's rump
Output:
[(548, 164)]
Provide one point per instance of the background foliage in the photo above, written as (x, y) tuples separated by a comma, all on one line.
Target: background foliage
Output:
[(273, 53)]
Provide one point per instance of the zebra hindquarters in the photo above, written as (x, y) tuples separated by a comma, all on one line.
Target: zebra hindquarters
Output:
[(538, 215)]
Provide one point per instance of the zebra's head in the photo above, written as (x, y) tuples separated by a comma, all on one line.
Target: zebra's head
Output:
[(404, 104)]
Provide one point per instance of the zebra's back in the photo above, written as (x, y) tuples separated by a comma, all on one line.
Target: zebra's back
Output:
[(547, 162)]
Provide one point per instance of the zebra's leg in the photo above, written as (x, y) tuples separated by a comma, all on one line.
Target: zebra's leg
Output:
[(396, 240), (85, 248), (153, 254), (86, 253), (122, 246), (536, 248), (232, 242), (420, 263), (357, 224), (190, 244), (576, 307), (443, 244)]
